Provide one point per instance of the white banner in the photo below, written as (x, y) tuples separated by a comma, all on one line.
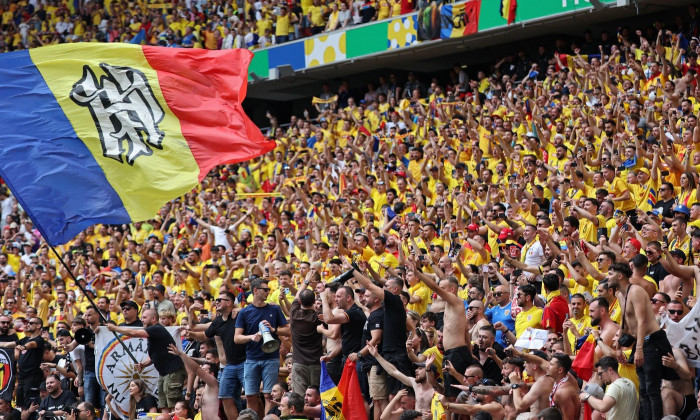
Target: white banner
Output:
[(685, 335), (115, 369)]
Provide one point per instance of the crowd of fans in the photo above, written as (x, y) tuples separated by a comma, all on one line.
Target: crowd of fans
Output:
[(188, 24), (418, 228)]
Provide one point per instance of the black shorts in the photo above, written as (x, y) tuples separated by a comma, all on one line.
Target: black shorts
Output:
[(403, 364), (689, 404), (461, 358)]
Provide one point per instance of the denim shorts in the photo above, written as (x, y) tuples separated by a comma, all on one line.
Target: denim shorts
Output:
[(231, 381), (256, 370)]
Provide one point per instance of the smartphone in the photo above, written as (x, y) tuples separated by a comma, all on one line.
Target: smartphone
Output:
[(342, 200), (517, 272), (454, 235), (204, 312), (421, 258), (253, 260), (486, 269)]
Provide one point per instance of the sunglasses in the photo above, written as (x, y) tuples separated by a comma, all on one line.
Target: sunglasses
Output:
[(655, 301), (39, 323), (225, 300), (498, 294), (675, 311), (472, 308)]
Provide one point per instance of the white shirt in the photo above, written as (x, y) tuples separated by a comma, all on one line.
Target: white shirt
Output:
[(534, 254), (626, 400)]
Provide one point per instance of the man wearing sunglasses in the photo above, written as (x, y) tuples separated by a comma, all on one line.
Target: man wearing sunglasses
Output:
[(620, 400), (224, 326), (130, 310), (29, 375), (258, 364)]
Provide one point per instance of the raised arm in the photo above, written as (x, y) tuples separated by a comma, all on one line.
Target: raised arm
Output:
[(388, 367)]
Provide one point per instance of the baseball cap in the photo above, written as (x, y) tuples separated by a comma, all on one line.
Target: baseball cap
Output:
[(131, 303), (160, 288), (505, 233), (682, 209), (473, 227), (678, 253), (635, 243)]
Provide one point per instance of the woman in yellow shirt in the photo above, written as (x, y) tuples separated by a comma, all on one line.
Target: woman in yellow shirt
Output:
[(687, 191)]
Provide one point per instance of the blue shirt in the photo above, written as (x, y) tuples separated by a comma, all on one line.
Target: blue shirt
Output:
[(501, 314), (249, 319)]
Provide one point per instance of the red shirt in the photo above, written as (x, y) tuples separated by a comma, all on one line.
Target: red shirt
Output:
[(555, 314)]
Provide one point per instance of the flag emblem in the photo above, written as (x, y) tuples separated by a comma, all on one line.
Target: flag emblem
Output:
[(124, 109)]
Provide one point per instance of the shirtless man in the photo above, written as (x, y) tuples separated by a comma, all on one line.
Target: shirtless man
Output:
[(565, 388), (678, 396), (458, 350), (475, 314), (421, 385), (680, 278), (334, 349), (537, 397), (651, 341), (639, 264), (599, 311), (210, 396)]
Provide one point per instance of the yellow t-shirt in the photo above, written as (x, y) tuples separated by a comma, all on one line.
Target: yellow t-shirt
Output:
[(580, 324), (528, 319), (385, 259), (422, 291)]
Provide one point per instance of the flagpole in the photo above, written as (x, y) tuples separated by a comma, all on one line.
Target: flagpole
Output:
[(102, 317)]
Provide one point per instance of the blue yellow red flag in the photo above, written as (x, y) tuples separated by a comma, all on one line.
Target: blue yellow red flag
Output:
[(331, 398), (508, 9), (107, 133), (459, 19)]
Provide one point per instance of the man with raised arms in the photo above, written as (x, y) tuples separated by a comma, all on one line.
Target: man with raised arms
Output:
[(458, 349), (651, 341)]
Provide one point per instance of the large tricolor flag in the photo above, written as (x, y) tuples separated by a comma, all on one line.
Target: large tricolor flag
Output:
[(107, 133)]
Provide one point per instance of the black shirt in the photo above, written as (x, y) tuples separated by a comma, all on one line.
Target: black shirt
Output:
[(352, 330), (59, 403), (657, 272), (30, 359), (158, 340), (226, 329), (147, 402), (490, 368), (375, 321), (6, 338), (395, 335)]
